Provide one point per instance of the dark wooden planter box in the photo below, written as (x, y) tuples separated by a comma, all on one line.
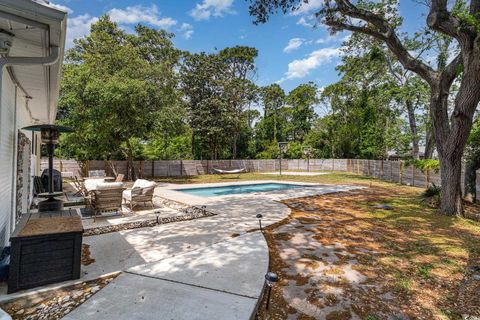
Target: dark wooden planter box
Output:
[(46, 248)]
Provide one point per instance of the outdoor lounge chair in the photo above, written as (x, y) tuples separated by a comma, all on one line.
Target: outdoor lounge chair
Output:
[(107, 197), (119, 177), (141, 192), (80, 186)]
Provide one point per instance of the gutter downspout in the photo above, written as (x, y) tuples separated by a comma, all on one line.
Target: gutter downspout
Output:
[(22, 61), (6, 61), (28, 61)]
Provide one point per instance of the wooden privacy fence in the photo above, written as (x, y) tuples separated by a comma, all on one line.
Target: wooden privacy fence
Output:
[(396, 171)]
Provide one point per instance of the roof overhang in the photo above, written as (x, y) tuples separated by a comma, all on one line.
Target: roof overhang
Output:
[(36, 28)]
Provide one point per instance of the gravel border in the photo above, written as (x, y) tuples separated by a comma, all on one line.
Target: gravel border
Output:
[(55, 303), (190, 213)]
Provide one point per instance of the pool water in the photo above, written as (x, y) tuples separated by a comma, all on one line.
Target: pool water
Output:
[(239, 189)]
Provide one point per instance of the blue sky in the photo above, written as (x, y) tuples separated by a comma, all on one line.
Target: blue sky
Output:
[(291, 52)]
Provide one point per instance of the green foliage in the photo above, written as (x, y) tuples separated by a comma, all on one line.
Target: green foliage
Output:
[(114, 87), (424, 165), (432, 191)]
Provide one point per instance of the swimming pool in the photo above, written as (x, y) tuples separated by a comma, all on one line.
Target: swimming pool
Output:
[(239, 189)]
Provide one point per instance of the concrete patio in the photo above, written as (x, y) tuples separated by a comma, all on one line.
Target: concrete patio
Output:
[(198, 269)]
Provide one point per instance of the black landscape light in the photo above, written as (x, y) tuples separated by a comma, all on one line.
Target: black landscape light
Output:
[(259, 217), (49, 134), (271, 278), (204, 210)]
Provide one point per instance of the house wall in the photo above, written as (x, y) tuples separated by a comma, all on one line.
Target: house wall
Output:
[(8, 139), (15, 189)]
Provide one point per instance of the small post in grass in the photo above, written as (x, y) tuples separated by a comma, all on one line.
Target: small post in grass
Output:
[(307, 151), (283, 147), (271, 278), (259, 217)]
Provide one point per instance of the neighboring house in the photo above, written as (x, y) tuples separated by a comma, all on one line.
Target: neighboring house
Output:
[(32, 41)]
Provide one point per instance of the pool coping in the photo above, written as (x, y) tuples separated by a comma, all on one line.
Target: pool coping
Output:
[(172, 191)]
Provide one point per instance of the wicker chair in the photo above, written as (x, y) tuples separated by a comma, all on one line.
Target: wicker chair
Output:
[(142, 192), (107, 197)]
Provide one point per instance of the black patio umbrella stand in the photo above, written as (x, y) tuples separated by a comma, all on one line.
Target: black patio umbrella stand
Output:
[(50, 134)]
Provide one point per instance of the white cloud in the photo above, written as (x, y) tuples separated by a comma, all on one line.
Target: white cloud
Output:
[(208, 8), (326, 39), (309, 6), (293, 44), (139, 14), (187, 30), (60, 7), (78, 27), (302, 67)]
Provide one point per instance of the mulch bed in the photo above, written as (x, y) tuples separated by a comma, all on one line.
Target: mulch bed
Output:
[(338, 257)]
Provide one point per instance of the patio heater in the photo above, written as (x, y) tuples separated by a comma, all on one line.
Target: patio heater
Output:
[(283, 147), (307, 151), (49, 135)]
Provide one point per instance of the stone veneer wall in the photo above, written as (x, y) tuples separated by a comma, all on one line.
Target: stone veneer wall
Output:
[(23, 174)]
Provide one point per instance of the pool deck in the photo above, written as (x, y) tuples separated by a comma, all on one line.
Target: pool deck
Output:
[(206, 268)]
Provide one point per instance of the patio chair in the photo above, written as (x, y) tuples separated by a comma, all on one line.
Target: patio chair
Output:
[(107, 197), (141, 192), (80, 186)]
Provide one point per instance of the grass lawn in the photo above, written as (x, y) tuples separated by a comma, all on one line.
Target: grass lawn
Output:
[(338, 257)]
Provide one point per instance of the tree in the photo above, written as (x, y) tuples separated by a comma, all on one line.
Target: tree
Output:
[(273, 98), (461, 23), (241, 91), (114, 86), (203, 84), (472, 157), (302, 100)]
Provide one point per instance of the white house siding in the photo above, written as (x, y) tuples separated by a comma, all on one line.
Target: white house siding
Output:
[(7, 157)]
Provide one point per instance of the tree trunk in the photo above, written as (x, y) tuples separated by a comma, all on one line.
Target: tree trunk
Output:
[(234, 148), (470, 182), (130, 168), (413, 127), (451, 192), (429, 143)]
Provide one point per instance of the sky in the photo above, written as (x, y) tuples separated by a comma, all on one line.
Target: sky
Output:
[(291, 50)]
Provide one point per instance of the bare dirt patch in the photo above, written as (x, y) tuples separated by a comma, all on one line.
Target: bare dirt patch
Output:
[(338, 256)]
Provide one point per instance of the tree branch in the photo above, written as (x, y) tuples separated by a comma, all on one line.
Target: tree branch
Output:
[(475, 7), (440, 19), (379, 28), (450, 72)]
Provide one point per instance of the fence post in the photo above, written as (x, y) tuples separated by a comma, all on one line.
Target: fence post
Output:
[(61, 166), (181, 168), (358, 167), (391, 170), (333, 164), (153, 168), (413, 176), (368, 167), (381, 168), (400, 171)]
